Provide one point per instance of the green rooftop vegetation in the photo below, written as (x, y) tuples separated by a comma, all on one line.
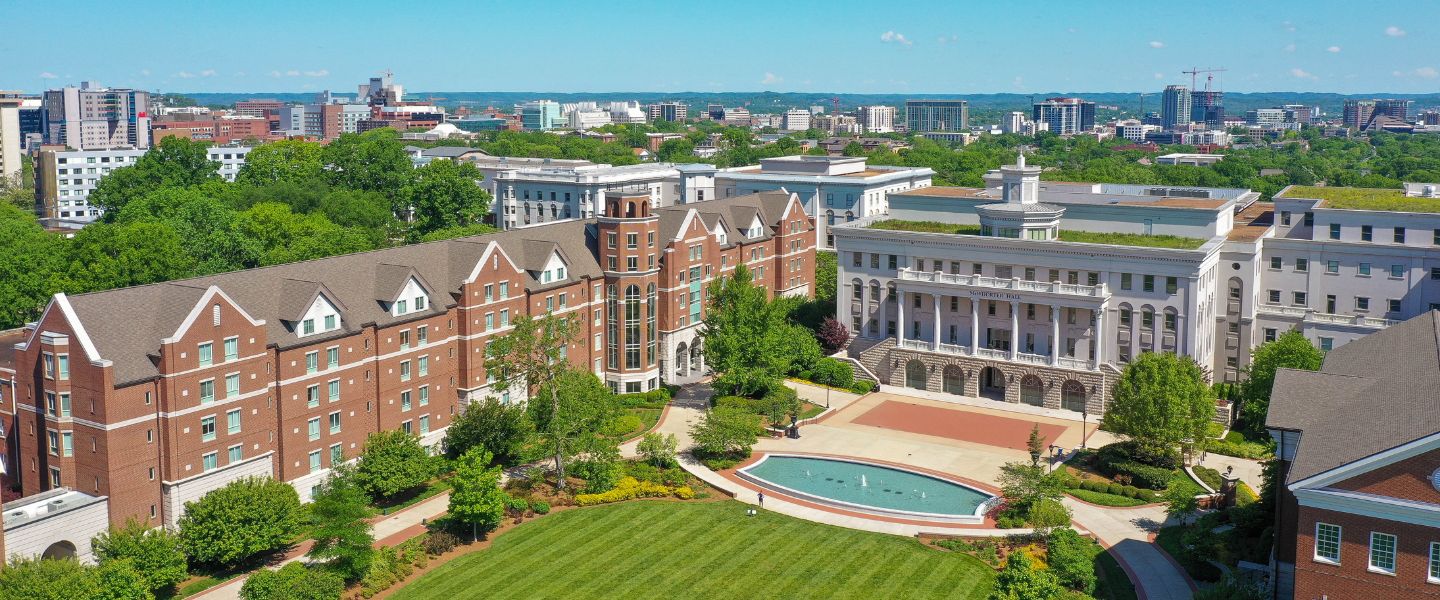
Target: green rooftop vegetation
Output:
[(1351, 198), (1082, 237)]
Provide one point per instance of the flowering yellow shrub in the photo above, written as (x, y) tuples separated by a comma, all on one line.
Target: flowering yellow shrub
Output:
[(630, 488)]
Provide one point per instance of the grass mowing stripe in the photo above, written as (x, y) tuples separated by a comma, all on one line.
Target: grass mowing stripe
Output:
[(625, 550), (660, 574), (554, 548)]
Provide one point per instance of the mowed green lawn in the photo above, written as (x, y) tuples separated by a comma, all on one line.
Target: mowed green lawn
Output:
[(652, 549)]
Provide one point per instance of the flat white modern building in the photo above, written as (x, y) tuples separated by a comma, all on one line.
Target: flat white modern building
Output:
[(876, 119), (554, 192), (65, 178), (795, 119), (1039, 292), (10, 134), (834, 189)]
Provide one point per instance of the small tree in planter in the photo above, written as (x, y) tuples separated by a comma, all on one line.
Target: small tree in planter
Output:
[(477, 499), (658, 449)]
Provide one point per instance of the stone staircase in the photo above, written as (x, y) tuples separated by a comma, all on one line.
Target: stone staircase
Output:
[(875, 359)]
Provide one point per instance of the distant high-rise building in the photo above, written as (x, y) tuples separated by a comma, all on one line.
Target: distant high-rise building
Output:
[(1357, 113), (715, 112), (1396, 108), (91, 117), (540, 115), (1065, 116), (9, 135), (1175, 107), (381, 91), (1430, 117), (1299, 113), (257, 107), (1207, 107), (922, 116), (876, 119), (668, 111), (1013, 122), (1268, 118), (796, 119)]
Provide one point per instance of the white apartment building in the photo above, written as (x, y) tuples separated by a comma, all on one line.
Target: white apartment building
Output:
[(551, 192), (627, 112), (65, 178), (834, 189), (580, 120), (876, 119), (795, 119), (10, 134), (1040, 292)]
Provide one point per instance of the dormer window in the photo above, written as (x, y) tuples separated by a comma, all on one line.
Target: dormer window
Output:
[(402, 307), (321, 317), (308, 327), (413, 298)]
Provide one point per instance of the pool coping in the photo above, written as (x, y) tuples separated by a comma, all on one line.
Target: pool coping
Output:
[(978, 518)]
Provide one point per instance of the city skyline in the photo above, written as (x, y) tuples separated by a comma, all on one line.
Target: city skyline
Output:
[(925, 49)]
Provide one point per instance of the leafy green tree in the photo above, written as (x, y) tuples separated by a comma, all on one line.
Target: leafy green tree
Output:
[(1036, 445), (444, 194), (726, 430), (450, 233), (746, 335), (658, 449), (50, 579), (503, 429), (174, 162), (342, 536), (391, 463), (1290, 351), (1161, 399), (32, 265), (1025, 485), (110, 255), (476, 498), (288, 237), (238, 521), (283, 160), (575, 423), (530, 354), (374, 161), (121, 580), (1069, 558), (1046, 515), (157, 554), (1180, 498), (294, 581), (1020, 580)]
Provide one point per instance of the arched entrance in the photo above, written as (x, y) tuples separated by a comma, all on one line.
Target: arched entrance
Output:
[(697, 359), (1032, 391), (915, 374), (992, 384), (59, 550), (953, 381), (682, 360), (1072, 396)]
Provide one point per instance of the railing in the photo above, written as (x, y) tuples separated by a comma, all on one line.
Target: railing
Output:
[(916, 345), (955, 349), (1074, 363), (1034, 359), (1014, 283), (992, 353), (1319, 317), (996, 354)]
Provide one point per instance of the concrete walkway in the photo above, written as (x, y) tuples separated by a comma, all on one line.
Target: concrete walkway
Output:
[(1126, 532), (1248, 470)]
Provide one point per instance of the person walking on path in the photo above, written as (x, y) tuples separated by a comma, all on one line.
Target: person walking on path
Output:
[(761, 497)]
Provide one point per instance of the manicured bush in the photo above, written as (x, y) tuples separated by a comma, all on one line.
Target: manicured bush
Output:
[(832, 372), (440, 542), (624, 424), (1132, 492), (1067, 479), (1244, 496), (658, 449), (516, 506), (391, 565), (156, 553), (863, 386), (1235, 444), (1116, 489), (1210, 476), (294, 581), (656, 398), (1154, 455), (1140, 475), (240, 520), (1069, 557), (630, 489), (540, 507)]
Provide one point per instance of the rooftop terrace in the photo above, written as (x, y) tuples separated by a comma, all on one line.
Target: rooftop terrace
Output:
[(1066, 235), (1348, 198)]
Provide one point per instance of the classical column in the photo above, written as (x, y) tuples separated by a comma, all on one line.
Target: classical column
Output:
[(1014, 329), (936, 299), (974, 326), (1099, 336), (1054, 335), (900, 318)]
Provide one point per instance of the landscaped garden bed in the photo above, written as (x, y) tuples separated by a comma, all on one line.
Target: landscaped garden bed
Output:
[(1079, 562)]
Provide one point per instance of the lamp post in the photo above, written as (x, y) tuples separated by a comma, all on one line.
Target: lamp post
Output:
[(827, 396), (1084, 425)]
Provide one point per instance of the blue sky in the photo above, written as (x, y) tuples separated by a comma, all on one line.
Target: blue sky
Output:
[(956, 46)]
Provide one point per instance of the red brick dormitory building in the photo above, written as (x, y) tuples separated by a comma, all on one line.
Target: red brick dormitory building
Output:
[(151, 396), (1359, 449)]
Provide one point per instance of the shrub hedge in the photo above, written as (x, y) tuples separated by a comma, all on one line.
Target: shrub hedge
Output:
[(630, 489)]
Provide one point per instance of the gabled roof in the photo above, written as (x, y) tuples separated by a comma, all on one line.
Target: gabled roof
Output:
[(390, 280), (298, 296), (538, 253), (1372, 395)]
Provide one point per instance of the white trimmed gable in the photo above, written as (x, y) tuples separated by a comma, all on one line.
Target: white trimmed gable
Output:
[(413, 298), (322, 316), (491, 258), (722, 237), (756, 229), (554, 270)]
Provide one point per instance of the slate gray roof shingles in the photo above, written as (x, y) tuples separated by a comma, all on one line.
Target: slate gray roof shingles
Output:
[(127, 324), (1373, 394)]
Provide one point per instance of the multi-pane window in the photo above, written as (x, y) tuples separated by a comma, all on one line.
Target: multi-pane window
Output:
[(235, 454), (332, 357), (405, 400), (337, 454), (232, 422), (404, 370), (50, 406), (1125, 281), (312, 362), (1170, 321), (232, 349), (1302, 264), (424, 424), (49, 365), (65, 404), (1397, 271), (1363, 269), (1327, 542), (312, 396), (207, 391), (1433, 574), (1399, 235), (422, 364), (334, 390), (1382, 551), (207, 429), (405, 340), (422, 335), (1276, 263), (424, 395), (54, 438), (313, 428), (335, 422), (210, 461), (232, 385), (314, 461), (63, 360), (308, 326), (206, 354), (1299, 299), (1172, 284), (504, 290), (1367, 233), (1148, 283), (329, 322), (1273, 296), (1334, 231), (1394, 305), (67, 443)]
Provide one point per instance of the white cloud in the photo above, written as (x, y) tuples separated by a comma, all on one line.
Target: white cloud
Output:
[(1427, 72), (47, 75), (771, 78), (1333, 49), (946, 39), (1159, 75), (274, 73), (1300, 73), (1289, 48), (185, 75), (145, 72), (1394, 31), (319, 73), (1157, 44), (1019, 82), (891, 36), (1288, 26), (292, 73), (208, 73)]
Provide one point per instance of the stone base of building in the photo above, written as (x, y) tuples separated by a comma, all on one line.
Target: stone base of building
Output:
[(1082, 391)]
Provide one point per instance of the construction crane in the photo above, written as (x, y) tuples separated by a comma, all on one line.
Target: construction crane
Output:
[(1209, 75), (835, 104)]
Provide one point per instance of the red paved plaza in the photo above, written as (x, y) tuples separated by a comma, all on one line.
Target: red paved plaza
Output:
[(956, 425)]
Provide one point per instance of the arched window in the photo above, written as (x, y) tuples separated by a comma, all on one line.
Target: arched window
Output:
[(650, 326), (849, 216), (874, 291), (682, 360), (857, 289), (915, 374), (954, 380), (830, 218), (697, 357), (1072, 396), (632, 327), (1032, 390), (612, 310)]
